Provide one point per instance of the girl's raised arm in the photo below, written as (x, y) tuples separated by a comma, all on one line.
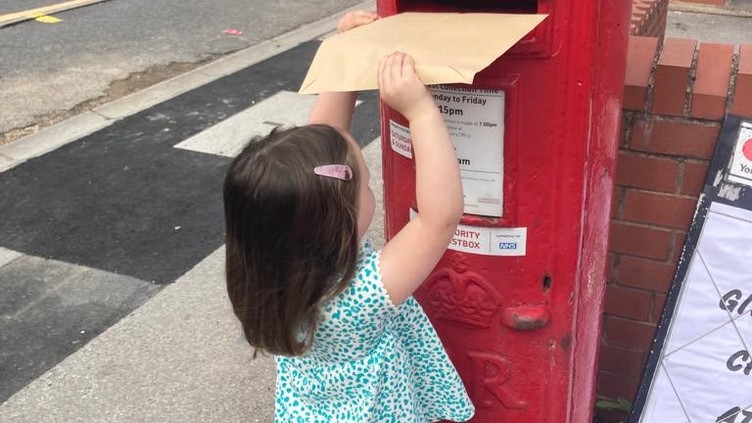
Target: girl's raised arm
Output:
[(408, 258), (333, 109), (336, 108)]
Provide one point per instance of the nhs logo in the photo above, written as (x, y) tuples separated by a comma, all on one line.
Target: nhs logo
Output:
[(509, 242)]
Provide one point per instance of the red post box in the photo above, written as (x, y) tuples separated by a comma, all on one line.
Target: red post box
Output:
[(517, 298)]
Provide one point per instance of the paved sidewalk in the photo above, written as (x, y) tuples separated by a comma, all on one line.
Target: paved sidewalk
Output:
[(178, 358)]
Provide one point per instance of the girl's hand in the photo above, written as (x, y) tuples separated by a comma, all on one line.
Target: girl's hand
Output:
[(402, 90), (356, 18)]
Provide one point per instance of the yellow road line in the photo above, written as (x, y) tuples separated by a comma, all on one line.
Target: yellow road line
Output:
[(16, 17)]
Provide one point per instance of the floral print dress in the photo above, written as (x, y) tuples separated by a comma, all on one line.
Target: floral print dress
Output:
[(370, 362)]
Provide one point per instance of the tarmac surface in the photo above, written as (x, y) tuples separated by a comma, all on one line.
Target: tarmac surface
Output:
[(112, 301)]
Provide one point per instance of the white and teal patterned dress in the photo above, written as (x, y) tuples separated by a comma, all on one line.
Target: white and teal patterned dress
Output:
[(371, 362)]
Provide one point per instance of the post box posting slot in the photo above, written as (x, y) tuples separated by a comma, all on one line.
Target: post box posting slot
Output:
[(540, 42), (483, 6)]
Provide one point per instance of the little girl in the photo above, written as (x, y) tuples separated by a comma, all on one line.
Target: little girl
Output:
[(351, 343)]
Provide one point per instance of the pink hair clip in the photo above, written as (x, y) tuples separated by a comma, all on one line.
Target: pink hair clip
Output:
[(338, 171)]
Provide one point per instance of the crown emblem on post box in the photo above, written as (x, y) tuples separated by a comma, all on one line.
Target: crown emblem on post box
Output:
[(465, 299)]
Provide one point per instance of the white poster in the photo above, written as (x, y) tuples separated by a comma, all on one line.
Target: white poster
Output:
[(475, 120), (707, 359), (700, 366)]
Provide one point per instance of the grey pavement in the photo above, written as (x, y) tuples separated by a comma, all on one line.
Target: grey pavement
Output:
[(729, 25), (709, 28), (180, 356)]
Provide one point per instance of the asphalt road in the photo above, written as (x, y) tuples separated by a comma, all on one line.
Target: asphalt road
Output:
[(48, 69)]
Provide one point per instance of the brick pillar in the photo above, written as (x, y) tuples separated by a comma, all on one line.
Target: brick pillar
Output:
[(675, 97)]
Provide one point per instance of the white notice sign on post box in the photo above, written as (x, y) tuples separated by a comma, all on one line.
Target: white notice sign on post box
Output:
[(475, 120)]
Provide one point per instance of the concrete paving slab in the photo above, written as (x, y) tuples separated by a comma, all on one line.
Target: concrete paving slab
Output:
[(740, 4), (6, 163), (180, 357), (49, 309), (372, 156), (709, 28), (6, 256)]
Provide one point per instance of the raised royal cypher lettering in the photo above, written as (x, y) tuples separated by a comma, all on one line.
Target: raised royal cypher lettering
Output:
[(489, 380)]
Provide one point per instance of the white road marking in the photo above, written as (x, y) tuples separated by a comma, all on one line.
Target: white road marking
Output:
[(228, 137)]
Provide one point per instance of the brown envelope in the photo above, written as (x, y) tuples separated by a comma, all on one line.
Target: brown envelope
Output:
[(447, 48)]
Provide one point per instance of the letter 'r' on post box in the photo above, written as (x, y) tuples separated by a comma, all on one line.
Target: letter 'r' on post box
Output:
[(517, 298)]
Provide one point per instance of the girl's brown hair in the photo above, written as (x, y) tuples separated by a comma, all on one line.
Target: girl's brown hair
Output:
[(291, 235)]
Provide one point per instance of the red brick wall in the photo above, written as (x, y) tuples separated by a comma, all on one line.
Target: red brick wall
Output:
[(675, 97), (649, 18)]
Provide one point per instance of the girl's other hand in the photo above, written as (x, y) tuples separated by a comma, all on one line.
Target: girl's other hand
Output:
[(356, 18), (401, 89)]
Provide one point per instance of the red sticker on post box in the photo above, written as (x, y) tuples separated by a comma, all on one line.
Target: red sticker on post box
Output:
[(740, 168), (400, 139)]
